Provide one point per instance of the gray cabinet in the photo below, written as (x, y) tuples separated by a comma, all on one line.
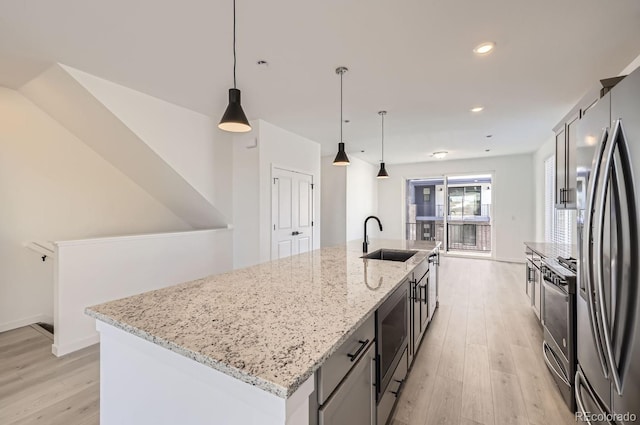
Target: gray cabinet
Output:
[(423, 300), (533, 281), (345, 384), (418, 306), (566, 192), (336, 367), (565, 188), (434, 264), (353, 402), (388, 399)]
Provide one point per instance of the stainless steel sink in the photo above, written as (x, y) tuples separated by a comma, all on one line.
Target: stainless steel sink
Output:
[(390, 255)]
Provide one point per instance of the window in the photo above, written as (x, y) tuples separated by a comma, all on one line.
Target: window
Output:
[(458, 214), (558, 224)]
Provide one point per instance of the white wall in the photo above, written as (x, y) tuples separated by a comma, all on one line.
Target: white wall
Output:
[(290, 151), (362, 198), (334, 203), (82, 110), (252, 186), (185, 139), (54, 187), (512, 197), (93, 271), (349, 195), (246, 199)]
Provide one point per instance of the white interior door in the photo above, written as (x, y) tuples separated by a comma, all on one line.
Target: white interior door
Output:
[(292, 213)]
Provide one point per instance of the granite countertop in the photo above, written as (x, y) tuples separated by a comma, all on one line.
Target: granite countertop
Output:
[(271, 325), (551, 250)]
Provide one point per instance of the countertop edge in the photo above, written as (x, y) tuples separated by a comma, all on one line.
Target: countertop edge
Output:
[(263, 384), (556, 249)]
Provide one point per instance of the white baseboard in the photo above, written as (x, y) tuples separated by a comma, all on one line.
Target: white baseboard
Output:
[(15, 324), (61, 350)]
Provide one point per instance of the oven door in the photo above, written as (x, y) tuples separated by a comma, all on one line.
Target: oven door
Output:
[(555, 311), (391, 334)]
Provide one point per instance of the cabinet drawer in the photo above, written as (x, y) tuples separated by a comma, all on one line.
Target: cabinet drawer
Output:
[(354, 402), (336, 367), (391, 394)]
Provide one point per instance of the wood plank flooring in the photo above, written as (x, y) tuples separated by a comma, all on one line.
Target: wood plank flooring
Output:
[(38, 388), (480, 362)]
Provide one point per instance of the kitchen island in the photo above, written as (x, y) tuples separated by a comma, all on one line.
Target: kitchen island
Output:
[(240, 347)]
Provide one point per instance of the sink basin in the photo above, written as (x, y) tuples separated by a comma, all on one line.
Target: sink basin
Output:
[(390, 255)]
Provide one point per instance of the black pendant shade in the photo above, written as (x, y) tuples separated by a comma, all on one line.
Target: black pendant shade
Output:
[(234, 119), (382, 174), (341, 157)]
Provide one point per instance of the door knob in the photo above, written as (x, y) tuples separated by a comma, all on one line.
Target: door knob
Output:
[(295, 233)]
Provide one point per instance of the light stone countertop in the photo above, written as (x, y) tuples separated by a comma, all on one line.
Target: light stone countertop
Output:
[(271, 325), (551, 250)]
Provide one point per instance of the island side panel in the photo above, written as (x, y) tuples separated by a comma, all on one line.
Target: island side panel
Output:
[(142, 383)]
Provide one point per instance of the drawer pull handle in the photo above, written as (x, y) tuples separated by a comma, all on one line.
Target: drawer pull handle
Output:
[(397, 392), (355, 355)]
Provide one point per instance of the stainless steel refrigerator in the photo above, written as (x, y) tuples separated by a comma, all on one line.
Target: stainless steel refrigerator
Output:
[(607, 381)]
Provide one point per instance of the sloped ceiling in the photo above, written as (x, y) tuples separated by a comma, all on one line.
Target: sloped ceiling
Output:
[(412, 57), (80, 106)]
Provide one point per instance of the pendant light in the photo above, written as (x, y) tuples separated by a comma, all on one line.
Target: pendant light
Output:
[(341, 157), (382, 174), (234, 119)]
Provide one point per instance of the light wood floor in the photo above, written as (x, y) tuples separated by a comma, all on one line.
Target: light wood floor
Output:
[(38, 388), (481, 361)]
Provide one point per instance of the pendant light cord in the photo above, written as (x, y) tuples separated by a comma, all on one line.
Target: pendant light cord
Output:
[(382, 115), (234, 44), (341, 74)]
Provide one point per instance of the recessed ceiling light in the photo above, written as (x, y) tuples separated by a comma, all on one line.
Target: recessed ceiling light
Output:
[(488, 136), (440, 154), (477, 108), (487, 150), (484, 48)]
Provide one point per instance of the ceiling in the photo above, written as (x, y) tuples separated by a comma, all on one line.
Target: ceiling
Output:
[(412, 58)]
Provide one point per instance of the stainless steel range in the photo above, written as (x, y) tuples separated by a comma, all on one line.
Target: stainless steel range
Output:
[(559, 319)]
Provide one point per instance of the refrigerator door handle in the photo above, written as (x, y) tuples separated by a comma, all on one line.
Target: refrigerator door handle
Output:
[(604, 314), (580, 381), (623, 281), (588, 251)]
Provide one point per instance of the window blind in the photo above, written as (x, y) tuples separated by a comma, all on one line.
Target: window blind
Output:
[(558, 224), (549, 183)]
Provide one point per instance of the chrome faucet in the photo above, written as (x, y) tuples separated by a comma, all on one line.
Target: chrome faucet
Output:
[(365, 244)]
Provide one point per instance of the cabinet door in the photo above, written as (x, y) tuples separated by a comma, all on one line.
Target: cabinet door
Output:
[(353, 402), (561, 167), (571, 177), (528, 278), (536, 297)]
